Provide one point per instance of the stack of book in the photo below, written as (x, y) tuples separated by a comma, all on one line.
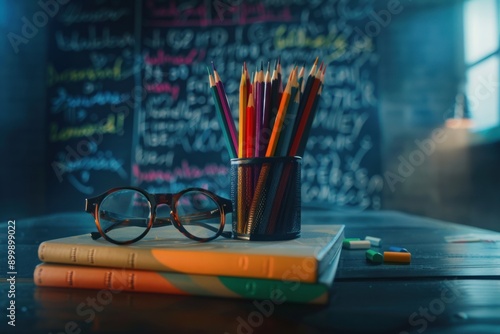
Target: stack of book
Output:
[(300, 270)]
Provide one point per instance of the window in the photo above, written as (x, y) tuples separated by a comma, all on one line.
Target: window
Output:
[(482, 62)]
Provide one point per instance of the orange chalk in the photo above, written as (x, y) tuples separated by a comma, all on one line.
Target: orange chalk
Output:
[(399, 257)]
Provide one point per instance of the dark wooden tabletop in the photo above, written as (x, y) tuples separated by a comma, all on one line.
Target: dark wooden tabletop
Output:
[(447, 288)]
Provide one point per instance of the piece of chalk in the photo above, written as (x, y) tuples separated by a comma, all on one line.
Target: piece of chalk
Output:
[(358, 244), (374, 256), (374, 241), (398, 249), (346, 241), (399, 257)]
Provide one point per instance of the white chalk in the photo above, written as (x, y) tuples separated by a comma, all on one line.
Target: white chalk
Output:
[(374, 241), (359, 244)]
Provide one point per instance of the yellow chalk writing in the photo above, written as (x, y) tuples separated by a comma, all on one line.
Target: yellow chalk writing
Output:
[(90, 74), (110, 125)]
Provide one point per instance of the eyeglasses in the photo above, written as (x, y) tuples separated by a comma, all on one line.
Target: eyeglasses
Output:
[(125, 215)]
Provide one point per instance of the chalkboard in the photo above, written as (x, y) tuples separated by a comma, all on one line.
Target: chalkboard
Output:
[(90, 80), (163, 133)]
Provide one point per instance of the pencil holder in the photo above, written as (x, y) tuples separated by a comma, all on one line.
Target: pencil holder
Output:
[(265, 193)]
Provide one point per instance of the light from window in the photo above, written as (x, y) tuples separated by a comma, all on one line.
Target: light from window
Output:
[(480, 29), (482, 93), (481, 56)]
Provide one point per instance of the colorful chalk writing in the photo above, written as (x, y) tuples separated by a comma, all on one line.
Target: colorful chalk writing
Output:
[(341, 164), (90, 80), (128, 85), (113, 72)]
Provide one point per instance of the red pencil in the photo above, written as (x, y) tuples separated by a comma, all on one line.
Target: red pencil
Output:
[(306, 114), (250, 123)]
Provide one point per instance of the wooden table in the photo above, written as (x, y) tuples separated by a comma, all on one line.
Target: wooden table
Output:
[(447, 288)]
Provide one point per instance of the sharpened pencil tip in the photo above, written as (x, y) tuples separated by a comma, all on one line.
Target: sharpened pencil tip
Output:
[(213, 66)]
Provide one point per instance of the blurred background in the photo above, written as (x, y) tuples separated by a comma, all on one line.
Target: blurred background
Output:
[(102, 93)]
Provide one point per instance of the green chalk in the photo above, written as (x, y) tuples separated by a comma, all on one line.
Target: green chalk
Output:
[(374, 256), (346, 241)]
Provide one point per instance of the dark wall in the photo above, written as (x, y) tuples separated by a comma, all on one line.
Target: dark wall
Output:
[(22, 113)]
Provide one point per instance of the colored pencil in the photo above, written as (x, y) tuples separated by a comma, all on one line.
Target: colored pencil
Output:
[(226, 110), (243, 115), (221, 117), (250, 122), (280, 81), (280, 117), (287, 129), (275, 101), (266, 116), (303, 121), (306, 91), (241, 210), (259, 109), (310, 119)]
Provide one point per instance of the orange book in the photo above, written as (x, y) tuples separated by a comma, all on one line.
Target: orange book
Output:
[(165, 249)]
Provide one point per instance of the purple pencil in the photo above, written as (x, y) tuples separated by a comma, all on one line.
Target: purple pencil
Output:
[(266, 113), (225, 107)]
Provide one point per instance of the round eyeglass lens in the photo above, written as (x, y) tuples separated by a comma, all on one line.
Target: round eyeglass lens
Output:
[(124, 215), (199, 214)]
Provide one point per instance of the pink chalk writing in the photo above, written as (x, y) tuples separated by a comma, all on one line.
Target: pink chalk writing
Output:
[(164, 87), (259, 13), (182, 15), (174, 16), (185, 171), (163, 58)]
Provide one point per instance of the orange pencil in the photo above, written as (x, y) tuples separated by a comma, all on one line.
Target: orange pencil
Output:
[(278, 123)]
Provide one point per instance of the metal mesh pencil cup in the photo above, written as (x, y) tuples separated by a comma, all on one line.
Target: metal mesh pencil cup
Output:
[(266, 198)]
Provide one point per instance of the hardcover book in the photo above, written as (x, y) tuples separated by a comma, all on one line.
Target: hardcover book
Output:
[(114, 279), (166, 250)]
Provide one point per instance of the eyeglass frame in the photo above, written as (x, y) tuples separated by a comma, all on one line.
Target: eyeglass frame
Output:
[(225, 206)]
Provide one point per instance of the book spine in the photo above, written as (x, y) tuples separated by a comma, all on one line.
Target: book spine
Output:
[(302, 269), (117, 280)]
